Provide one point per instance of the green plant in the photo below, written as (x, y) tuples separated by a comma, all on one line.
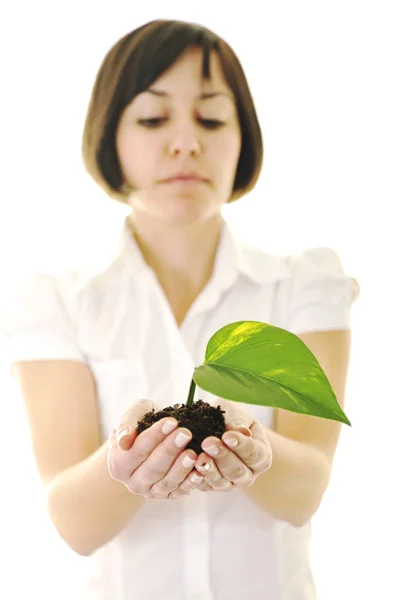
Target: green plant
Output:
[(255, 363), (258, 363)]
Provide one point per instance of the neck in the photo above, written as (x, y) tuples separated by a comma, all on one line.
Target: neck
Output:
[(178, 251)]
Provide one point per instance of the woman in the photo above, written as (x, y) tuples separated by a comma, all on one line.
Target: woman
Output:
[(172, 131)]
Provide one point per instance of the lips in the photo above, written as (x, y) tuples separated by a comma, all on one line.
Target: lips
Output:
[(185, 177)]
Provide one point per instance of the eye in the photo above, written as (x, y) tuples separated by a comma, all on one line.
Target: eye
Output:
[(157, 121), (152, 123), (211, 123)]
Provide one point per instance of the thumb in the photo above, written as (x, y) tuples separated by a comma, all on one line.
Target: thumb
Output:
[(238, 426), (126, 431)]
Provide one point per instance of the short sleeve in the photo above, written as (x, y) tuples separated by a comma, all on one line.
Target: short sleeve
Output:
[(322, 294), (37, 321)]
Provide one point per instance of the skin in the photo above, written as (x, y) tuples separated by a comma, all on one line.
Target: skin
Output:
[(152, 464), (177, 226), (178, 230)]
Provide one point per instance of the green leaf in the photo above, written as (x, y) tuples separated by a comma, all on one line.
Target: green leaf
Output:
[(258, 363)]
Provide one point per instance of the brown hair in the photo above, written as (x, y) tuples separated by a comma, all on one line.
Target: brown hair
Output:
[(130, 67)]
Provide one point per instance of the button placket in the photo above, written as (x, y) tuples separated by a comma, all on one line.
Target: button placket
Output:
[(197, 547), (194, 507)]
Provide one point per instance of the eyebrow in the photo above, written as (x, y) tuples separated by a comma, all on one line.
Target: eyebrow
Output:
[(203, 96)]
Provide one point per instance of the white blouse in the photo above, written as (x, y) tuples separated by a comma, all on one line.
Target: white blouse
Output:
[(207, 546)]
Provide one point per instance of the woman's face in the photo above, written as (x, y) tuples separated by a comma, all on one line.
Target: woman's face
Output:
[(181, 124)]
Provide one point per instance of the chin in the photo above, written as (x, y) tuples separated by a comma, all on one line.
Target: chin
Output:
[(195, 213), (188, 209), (184, 218), (187, 212)]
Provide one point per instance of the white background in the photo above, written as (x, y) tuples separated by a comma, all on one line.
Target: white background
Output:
[(325, 79)]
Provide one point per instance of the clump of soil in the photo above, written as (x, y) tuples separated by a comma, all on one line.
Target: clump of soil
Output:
[(202, 419)]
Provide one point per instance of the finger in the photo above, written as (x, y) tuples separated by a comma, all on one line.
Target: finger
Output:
[(204, 487), (229, 464), (237, 418), (122, 463), (190, 483), (212, 476), (240, 427), (176, 475), (254, 452), (159, 461), (256, 430), (126, 431)]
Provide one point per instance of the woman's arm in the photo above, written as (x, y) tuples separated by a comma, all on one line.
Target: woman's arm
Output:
[(292, 489), (303, 447), (87, 506)]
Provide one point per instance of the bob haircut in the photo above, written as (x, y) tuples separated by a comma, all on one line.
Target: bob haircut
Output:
[(130, 67)]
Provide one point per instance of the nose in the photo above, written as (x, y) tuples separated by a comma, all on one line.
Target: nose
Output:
[(184, 140)]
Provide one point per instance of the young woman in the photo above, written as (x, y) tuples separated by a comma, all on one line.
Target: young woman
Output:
[(172, 131)]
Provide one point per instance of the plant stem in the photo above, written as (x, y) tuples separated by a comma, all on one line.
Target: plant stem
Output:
[(189, 400)]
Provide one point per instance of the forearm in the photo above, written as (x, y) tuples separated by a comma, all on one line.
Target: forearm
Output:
[(87, 506), (292, 489)]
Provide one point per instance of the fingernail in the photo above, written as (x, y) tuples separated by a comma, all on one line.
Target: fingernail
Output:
[(246, 431), (205, 467), (169, 426), (213, 450), (242, 429), (231, 442), (188, 462), (196, 478), (181, 439), (124, 433)]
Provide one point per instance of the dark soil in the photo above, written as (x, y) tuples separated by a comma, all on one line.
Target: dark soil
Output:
[(200, 418)]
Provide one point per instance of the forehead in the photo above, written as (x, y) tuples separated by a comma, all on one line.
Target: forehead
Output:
[(185, 79)]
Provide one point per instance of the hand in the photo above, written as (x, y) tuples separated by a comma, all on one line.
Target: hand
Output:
[(243, 454), (155, 463)]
